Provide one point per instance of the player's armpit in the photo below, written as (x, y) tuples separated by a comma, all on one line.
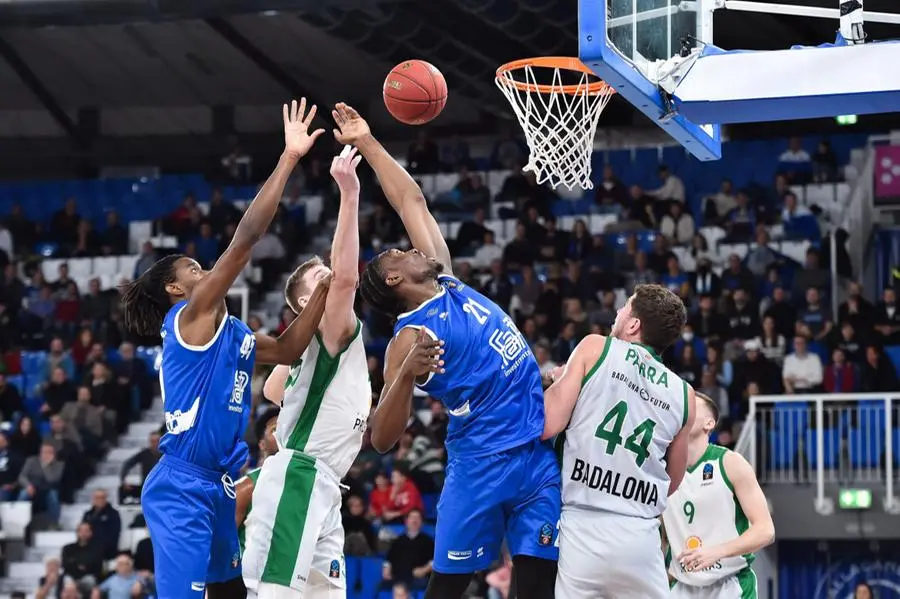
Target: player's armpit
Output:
[(753, 503), (294, 341), (677, 454), (560, 397), (244, 493), (273, 390), (408, 201)]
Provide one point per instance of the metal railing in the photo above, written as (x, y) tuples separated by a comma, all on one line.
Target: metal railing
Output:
[(840, 438)]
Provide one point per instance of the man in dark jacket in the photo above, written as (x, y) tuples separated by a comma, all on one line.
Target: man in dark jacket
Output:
[(83, 560), (105, 522)]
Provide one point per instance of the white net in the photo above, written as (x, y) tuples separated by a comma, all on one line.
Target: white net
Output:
[(559, 121)]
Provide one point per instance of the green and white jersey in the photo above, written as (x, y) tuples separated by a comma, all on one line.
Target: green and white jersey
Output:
[(628, 411), (705, 512), (253, 475), (326, 404)]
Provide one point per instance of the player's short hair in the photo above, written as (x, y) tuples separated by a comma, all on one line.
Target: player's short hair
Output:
[(263, 421), (376, 292), (713, 407), (662, 315), (295, 287)]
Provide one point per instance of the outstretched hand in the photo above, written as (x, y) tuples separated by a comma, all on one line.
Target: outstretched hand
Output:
[(424, 356), (343, 170), (351, 126), (297, 139)]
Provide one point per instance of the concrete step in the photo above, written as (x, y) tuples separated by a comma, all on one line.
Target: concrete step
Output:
[(26, 570)]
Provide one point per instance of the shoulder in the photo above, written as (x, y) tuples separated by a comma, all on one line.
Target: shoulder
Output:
[(735, 467)]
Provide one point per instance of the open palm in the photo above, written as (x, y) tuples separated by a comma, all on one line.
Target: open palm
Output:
[(351, 126), (297, 138)]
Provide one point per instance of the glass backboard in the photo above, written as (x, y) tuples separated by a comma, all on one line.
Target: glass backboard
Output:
[(625, 41)]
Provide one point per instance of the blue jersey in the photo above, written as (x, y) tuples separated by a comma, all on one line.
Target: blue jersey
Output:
[(492, 384), (206, 394)]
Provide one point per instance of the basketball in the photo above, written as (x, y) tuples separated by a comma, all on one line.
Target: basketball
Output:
[(415, 92)]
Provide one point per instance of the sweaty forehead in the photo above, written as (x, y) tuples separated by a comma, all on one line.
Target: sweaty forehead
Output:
[(185, 263)]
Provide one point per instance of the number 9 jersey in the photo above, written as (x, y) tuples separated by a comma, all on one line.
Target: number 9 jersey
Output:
[(492, 384), (628, 412)]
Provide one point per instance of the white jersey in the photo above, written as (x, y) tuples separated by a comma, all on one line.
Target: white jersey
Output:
[(326, 404), (705, 512), (630, 408)]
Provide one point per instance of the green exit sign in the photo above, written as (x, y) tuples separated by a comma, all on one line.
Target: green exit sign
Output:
[(855, 499)]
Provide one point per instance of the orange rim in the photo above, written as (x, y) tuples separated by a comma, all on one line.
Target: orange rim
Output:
[(551, 62)]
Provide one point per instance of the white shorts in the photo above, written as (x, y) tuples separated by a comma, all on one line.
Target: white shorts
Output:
[(609, 556), (316, 588), (294, 527), (739, 586)]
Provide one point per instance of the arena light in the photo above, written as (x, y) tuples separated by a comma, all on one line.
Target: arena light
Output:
[(855, 499), (846, 119)]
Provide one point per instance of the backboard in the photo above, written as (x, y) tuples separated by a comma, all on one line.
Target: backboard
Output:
[(660, 56)]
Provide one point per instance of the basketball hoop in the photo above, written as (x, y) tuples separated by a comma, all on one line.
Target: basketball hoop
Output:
[(559, 118)]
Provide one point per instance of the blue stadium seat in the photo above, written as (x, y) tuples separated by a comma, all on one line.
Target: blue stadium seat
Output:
[(792, 418), (353, 567), (33, 362), (17, 381), (865, 446), (896, 447), (832, 446), (782, 449), (370, 576)]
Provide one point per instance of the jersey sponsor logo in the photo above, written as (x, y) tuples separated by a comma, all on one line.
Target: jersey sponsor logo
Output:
[(841, 579), (707, 474), (198, 586), (458, 556), (614, 483), (655, 373), (334, 571), (693, 542), (641, 391), (545, 536), (178, 422), (241, 380), (247, 345), (236, 559)]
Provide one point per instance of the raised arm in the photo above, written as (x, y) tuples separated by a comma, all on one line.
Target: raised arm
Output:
[(197, 322), (754, 505), (273, 390), (403, 193), (411, 354), (339, 321), (560, 397), (677, 454), (291, 344)]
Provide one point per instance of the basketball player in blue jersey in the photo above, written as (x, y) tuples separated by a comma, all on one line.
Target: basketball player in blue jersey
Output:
[(188, 499), (460, 347)]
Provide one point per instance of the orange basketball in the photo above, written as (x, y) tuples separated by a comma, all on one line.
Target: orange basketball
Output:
[(415, 92)]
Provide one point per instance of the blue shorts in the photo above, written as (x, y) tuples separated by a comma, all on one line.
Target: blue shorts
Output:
[(192, 527), (513, 494)]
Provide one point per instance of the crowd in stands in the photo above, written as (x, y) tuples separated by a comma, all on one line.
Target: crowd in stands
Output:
[(757, 324)]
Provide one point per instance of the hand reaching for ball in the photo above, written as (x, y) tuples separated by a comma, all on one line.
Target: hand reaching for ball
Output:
[(297, 138), (351, 126), (343, 170)]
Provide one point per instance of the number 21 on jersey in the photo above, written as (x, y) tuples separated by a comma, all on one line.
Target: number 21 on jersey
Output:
[(479, 312)]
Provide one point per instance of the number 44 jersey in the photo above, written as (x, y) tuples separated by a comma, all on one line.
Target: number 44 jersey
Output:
[(629, 409), (492, 384)]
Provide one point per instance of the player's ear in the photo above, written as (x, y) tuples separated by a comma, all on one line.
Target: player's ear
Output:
[(174, 289), (393, 278)]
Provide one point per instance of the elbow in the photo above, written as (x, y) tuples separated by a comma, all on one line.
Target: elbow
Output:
[(381, 442), (769, 536)]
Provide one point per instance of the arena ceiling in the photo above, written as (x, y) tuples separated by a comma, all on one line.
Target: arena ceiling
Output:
[(156, 66)]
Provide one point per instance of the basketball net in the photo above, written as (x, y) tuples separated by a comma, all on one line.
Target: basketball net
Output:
[(559, 120)]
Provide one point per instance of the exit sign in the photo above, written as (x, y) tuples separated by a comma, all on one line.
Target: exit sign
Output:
[(855, 499)]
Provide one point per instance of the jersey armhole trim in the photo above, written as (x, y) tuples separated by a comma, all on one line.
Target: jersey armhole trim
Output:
[(599, 361), (684, 418), (725, 478), (350, 341), (197, 348)]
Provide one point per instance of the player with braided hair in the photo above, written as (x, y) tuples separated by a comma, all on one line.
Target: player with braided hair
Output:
[(188, 499), (458, 346)]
